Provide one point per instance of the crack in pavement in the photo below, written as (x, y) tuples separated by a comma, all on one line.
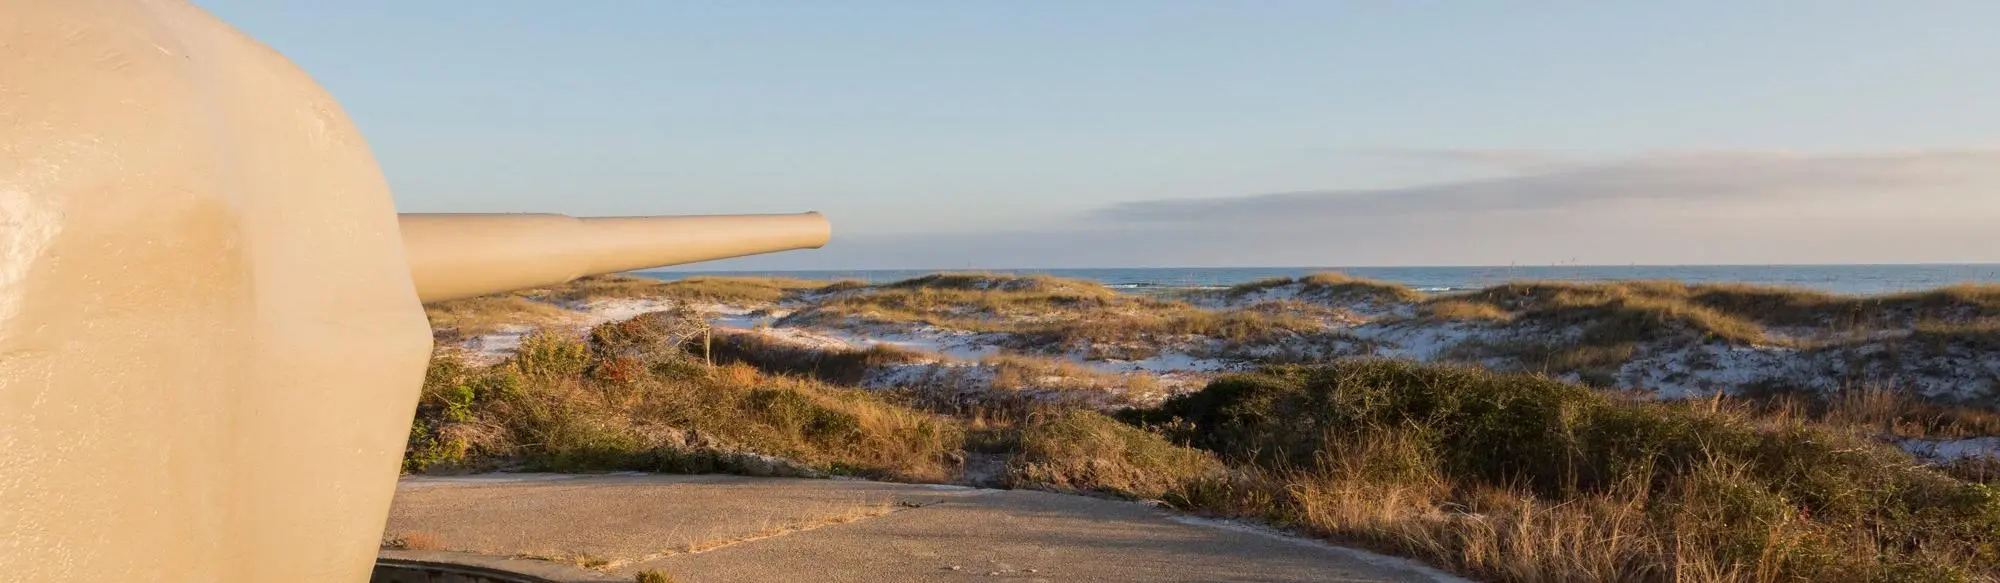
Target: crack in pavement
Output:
[(857, 515)]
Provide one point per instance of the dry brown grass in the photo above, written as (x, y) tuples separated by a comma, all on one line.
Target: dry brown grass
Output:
[(1734, 309), (1350, 288), (1047, 314), (489, 314), (1013, 372), (1515, 478), (699, 288), (1458, 310), (1867, 409), (1940, 337), (1081, 451), (1591, 330), (837, 366), (971, 299), (1332, 287), (560, 406)]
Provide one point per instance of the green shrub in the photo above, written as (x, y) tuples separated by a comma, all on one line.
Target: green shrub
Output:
[(550, 355)]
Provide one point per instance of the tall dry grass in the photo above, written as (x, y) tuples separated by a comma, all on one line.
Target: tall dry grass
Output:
[(1055, 315), (561, 404), (1517, 478), (489, 314), (1331, 287)]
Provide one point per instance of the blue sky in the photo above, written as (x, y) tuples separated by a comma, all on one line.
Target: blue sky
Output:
[(1078, 134)]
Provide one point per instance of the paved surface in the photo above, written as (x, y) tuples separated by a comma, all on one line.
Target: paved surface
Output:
[(714, 529)]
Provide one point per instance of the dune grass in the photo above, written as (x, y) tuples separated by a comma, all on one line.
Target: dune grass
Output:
[(1740, 312), (1453, 309), (1868, 409), (1048, 314), (832, 365), (560, 404), (1331, 287), (699, 288), (489, 314), (1517, 478), (1498, 476), (1591, 330), (1087, 452)]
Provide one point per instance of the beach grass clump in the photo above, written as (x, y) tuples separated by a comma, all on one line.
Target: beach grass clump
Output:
[(1046, 285), (1623, 312), (1939, 337), (965, 299), (1588, 331), (835, 365), (1054, 315), (1017, 372), (489, 314), (1458, 310), (1087, 452), (1520, 478), (1142, 335), (1332, 288), (560, 405), (1341, 287), (1869, 409), (1760, 306)]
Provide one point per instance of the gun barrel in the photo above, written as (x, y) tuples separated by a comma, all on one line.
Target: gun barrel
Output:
[(455, 256)]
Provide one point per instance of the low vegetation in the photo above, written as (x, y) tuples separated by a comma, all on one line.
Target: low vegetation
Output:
[(1330, 287), (832, 365), (1503, 477), (1742, 313), (1082, 451), (696, 289), (1519, 478), (563, 404), (489, 314), (543, 307), (1012, 385), (1048, 314), (1590, 331)]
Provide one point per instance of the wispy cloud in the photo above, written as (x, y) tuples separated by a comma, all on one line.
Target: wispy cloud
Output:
[(1702, 178), (1717, 207), (1500, 158)]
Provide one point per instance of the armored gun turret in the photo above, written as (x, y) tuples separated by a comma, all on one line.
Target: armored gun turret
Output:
[(211, 332)]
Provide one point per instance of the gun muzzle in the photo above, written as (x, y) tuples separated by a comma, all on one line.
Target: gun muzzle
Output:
[(455, 256)]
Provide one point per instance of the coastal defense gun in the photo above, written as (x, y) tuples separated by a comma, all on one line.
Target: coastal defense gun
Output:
[(455, 256), (211, 331)]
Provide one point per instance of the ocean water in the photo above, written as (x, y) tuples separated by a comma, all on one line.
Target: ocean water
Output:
[(1846, 279)]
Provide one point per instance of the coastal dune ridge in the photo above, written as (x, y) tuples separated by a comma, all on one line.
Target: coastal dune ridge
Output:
[(1491, 431)]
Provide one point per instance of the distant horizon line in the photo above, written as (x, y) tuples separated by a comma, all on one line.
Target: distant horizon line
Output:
[(676, 269)]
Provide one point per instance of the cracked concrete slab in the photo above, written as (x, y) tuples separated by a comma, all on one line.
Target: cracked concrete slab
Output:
[(710, 529)]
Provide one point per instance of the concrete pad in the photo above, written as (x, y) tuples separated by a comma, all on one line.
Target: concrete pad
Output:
[(713, 529), (620, 519)]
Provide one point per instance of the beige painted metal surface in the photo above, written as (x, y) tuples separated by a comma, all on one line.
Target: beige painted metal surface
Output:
[(210, 338), (458, 256)]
